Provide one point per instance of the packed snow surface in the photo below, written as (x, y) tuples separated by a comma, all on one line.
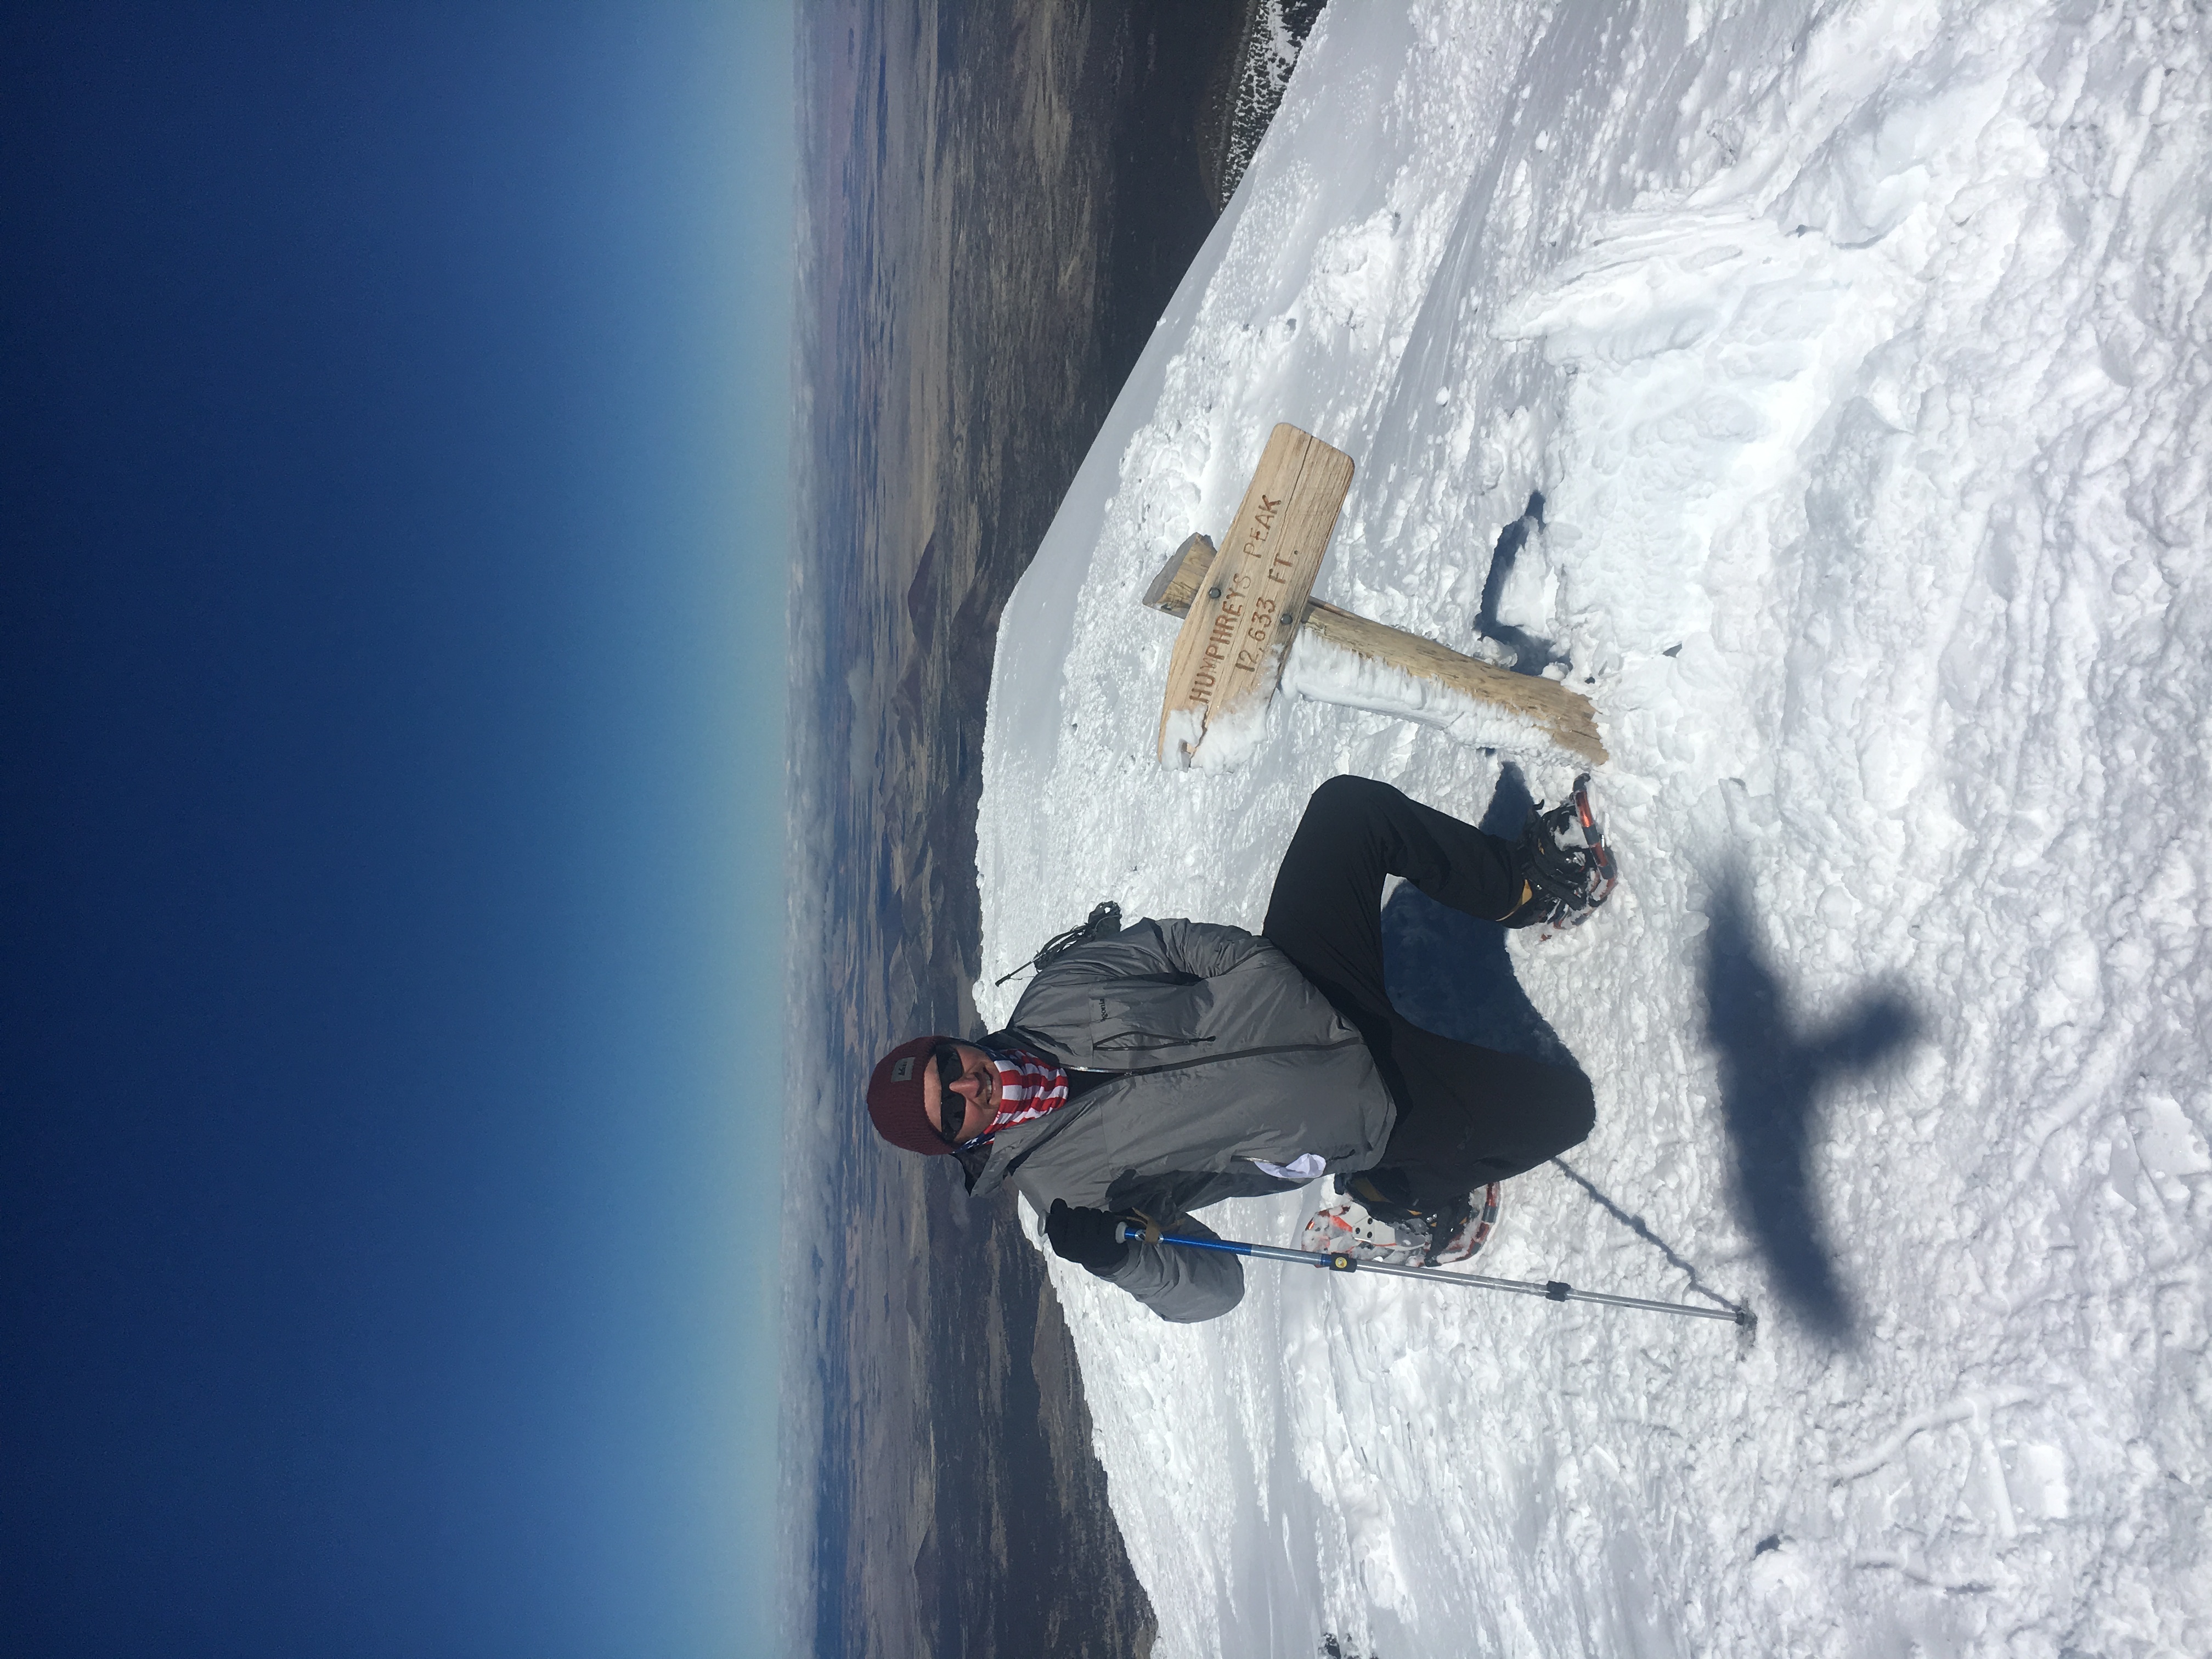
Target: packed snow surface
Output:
[(1859, 352)]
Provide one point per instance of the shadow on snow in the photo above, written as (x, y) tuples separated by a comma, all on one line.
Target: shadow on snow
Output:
[(1449, 973), (1772, 1076)]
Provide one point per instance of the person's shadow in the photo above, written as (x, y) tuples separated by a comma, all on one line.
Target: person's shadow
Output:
[(1772, 1075)]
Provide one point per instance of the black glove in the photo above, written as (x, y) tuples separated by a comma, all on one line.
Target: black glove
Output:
[(1085, 1237)]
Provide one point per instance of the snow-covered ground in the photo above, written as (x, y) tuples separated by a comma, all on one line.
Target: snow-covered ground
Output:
[(1860, 353)]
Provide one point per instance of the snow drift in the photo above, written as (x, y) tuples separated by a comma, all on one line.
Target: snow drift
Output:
[(1859, 355)]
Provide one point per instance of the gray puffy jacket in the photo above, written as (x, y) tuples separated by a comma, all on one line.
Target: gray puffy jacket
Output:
[(1228, 1054)]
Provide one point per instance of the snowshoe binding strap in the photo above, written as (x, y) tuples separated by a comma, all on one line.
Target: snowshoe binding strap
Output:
[(1562, 858), (1386, 1194)]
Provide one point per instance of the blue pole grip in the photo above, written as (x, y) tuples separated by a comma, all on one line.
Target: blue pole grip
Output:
[(1128, 1234)]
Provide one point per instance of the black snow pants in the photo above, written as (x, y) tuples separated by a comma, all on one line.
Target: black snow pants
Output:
[(1465, 1114)]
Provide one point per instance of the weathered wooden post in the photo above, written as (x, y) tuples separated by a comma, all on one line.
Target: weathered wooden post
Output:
[(1238, 625), (1243, 604)]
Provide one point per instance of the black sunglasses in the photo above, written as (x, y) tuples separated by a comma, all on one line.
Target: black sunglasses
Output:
[(950, 1068)]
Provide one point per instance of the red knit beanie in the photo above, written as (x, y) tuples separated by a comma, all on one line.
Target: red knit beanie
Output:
[(895, 1099)]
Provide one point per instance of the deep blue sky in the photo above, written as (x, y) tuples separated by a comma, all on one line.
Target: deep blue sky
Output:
[(394, 488)]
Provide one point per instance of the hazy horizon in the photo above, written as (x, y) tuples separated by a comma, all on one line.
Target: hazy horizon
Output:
[(1000, 201)]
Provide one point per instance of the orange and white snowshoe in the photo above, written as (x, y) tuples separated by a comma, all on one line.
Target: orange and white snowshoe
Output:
[(1346, 1225)]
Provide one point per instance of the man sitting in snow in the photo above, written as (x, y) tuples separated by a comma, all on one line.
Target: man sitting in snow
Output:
[(1179, 1063)]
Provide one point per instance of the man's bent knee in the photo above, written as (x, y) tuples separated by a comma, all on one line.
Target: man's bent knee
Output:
[(1347, 793)]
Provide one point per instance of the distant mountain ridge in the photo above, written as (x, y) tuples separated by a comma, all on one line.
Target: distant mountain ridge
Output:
[(997, 203)]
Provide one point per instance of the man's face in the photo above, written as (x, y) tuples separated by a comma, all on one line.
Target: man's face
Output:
[(974, 1098)]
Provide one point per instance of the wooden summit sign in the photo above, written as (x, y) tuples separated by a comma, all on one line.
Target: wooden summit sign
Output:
[(1243, 606), (1230, 649)]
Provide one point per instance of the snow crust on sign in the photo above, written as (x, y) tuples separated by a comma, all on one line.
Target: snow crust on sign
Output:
[(1330, 673), (1860, 353)]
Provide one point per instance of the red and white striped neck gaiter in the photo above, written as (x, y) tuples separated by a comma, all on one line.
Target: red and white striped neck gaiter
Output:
[(1029, 1085)]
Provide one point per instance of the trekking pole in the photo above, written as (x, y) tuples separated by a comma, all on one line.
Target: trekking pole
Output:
[(1338, 1261)]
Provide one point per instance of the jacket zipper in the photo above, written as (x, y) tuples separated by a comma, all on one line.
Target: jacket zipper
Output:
[(1023, 1156)]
